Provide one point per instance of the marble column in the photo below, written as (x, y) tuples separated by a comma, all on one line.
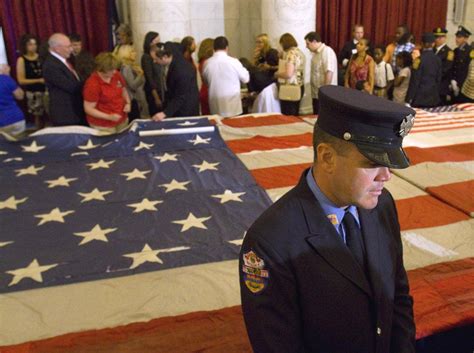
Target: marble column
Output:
[(175, 19), (297, 17)]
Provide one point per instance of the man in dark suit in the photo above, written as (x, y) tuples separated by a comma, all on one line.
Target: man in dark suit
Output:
[(348, 50), (444, 52), (425, 81), (322, 269), (182, 94), (463, 55), (64, 85)]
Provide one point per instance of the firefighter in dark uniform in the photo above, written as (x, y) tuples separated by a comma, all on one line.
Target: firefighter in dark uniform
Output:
[(444, 52), (321, 271), (425, 81), (463, 55)]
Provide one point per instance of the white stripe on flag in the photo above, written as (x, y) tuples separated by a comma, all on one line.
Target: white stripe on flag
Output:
[(276, 157)]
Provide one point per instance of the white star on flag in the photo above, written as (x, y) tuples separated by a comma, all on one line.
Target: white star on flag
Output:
[(5, 243), (88, 146), (2, 153), (100, 164), (31, 170), (136, 174), (187, 123), (167, 157), (95, 194), (54, 216), (13, 159), (192, 221), (238, 242), (228, 195), (95, 233), (33, 271), (11, 203), (33, 148), (145, 205), (79, 154), (150, 255), (61, 181), (206, 166), (175, 185), (142, 145), (198, 140)]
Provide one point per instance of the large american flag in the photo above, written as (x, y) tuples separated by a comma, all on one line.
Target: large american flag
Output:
[(434, 204)]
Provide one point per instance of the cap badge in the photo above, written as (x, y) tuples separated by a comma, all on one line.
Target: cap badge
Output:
[(347, 136), (406, 125)]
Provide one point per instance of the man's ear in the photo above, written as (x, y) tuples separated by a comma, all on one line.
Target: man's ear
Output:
[(326, 157)]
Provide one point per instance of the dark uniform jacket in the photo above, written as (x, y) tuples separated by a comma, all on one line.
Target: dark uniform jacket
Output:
[(182, 95), (346, 51), (447, 56), (66, 106), (425, 81), (462, 58), (315, 298)]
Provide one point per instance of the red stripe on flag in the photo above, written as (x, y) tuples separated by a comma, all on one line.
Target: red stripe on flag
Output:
[(212, 331), (426, 211), (255, 121), (279, 177), (262, 143), (442, 301), (453, 153), (459, 195), (461, 126)]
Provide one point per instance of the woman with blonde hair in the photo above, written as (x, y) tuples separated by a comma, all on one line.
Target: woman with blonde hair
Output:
[(106, 100), (134, 78), (206, 50), (262, 46)]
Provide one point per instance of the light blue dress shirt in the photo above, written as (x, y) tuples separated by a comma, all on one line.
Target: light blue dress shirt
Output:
[(330, 210)]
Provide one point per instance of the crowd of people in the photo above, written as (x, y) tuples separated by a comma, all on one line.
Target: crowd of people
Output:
[(65, 85)]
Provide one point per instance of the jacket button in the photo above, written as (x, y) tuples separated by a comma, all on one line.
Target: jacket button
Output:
[(379, 331)]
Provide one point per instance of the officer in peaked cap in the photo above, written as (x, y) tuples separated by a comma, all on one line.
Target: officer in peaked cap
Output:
[(463, 55), (321, 270), (423, 91), (444, 52)]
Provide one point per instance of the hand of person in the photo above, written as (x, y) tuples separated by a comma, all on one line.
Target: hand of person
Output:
[(455, 87), (115, 117), (159, 116), (127, 107)]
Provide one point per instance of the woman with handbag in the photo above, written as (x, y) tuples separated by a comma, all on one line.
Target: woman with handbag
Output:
[(290, 75)]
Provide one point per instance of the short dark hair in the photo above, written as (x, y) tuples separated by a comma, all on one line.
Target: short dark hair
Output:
[(74, 37), (161, 50), (360, 85), (272, 57), (221, 43), (313, 36), (406, 58), (287, 41), (381, 47), (320, 136), (24, 39)]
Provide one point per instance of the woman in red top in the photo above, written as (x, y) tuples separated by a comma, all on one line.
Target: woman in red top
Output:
[(206, 50), (106, 101), (361, 67)]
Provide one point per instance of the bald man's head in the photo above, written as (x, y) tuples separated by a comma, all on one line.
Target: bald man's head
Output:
[(60, 44)]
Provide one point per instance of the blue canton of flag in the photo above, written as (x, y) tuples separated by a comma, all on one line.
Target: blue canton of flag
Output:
[(76, 207)]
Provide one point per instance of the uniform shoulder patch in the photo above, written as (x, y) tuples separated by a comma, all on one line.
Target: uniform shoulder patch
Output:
[(255, 276), (450, 56)]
